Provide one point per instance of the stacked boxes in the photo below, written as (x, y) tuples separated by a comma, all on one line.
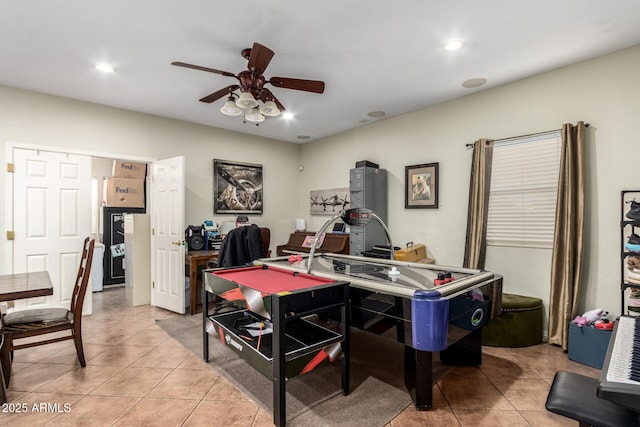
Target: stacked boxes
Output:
[(126, 187)]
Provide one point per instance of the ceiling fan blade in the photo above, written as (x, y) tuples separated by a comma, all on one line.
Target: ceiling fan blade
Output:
[(316, 86), (266, 95), (259, 58), (201, 68), (219, 94)]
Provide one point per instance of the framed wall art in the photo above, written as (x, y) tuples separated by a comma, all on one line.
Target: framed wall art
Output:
[(329, 201), (237, 188), (421, 186)]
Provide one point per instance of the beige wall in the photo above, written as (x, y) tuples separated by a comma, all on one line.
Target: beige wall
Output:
[(603, 92), (33, 118)]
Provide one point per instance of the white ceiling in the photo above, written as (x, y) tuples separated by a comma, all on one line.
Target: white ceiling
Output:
[(373, 55)]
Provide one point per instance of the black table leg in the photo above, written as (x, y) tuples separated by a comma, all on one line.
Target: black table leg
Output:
[(205, 319), (279, 373), (346, 343), (418, 376)]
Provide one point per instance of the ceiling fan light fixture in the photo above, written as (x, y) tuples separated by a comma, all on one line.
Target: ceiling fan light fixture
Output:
[(254, 116), (230, 108), (270, 109), (246, 100)]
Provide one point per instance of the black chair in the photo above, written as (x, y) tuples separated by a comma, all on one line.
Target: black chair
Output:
[(241, 246), (35, 322)]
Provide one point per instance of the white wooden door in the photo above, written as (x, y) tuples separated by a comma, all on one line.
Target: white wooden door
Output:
[(51, 219), (167, 237)]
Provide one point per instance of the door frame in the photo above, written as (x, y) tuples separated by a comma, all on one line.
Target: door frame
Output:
[(8, 198)]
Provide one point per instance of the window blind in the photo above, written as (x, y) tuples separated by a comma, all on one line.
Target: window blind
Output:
[(523, 191)]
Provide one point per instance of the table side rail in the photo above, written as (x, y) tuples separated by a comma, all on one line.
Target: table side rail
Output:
[(449, 290)]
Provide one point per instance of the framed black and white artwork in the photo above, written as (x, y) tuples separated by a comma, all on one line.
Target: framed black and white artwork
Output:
[(237, 187), (329, 201)]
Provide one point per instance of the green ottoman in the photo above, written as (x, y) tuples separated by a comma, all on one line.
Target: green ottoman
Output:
[(519, 325)]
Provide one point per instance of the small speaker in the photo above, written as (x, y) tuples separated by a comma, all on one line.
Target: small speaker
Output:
[(194, 236)]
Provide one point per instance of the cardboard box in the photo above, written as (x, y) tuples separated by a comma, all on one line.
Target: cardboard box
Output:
[(588, 345), (123, 192), (411, 254), (122, 169)]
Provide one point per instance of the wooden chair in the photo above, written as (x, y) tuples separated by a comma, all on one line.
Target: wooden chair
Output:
[(35, 322), (266, 241)]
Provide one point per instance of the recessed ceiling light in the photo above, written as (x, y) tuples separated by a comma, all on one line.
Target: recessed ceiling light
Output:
[(303, 137), (452, 45), (376, 114), (287, 116), (363, 120), (475, 82), (105, 68)]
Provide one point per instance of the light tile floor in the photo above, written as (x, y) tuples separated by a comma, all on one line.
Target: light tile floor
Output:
[(137, 375)]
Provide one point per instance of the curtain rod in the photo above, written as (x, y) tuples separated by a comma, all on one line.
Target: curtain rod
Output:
[(472, 145)]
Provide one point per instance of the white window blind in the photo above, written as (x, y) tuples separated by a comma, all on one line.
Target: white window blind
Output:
[(523, 192)]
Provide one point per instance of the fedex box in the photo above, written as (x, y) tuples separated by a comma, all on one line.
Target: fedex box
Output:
[(122, 169), (124, 192)]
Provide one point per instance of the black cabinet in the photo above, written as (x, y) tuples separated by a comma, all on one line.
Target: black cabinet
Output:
[(113, 239)]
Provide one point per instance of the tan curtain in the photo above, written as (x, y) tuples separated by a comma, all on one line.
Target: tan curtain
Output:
[(476, 241), (568, 242)]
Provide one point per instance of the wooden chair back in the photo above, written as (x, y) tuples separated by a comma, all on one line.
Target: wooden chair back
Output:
[(266, 241), (82, 279)]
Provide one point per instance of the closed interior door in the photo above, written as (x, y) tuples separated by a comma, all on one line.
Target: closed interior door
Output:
[(51, 219)]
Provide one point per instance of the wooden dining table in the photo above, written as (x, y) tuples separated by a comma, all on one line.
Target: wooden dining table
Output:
[(21, 286), (25, 285)]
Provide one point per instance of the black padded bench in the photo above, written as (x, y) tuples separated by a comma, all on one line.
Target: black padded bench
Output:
[(574, 396)]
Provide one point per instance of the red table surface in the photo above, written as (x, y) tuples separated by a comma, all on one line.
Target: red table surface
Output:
[(271, 280)]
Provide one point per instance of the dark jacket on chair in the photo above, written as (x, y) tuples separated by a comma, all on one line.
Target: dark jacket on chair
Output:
[(241, 246)]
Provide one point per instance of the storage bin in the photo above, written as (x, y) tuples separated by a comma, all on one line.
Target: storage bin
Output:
[(588, 345)]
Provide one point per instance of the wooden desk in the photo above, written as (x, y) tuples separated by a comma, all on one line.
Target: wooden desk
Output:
[(21, 286), (196, 259)]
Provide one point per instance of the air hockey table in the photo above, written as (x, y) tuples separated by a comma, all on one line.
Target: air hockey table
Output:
[(436, 309), (266, 322)]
